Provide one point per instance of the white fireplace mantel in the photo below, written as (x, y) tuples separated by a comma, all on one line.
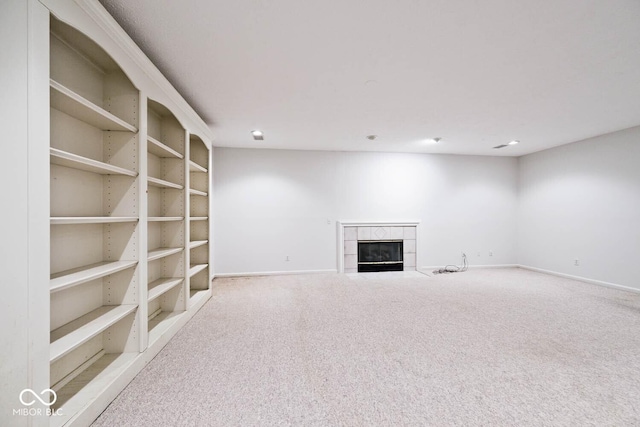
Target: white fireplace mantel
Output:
[(374, 224)]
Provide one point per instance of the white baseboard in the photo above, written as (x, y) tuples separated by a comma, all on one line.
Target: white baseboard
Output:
[(436, 267), (582, 279), (275, 273)]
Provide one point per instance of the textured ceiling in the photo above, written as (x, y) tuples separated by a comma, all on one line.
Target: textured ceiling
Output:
[(323, 75)]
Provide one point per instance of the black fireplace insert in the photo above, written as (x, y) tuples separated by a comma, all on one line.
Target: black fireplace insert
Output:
[(380, 255)]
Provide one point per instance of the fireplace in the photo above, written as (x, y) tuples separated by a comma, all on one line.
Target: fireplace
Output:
[(380, 255), (352, 232)]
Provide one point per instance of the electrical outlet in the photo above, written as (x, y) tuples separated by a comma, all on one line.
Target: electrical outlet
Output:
[(576, 262), (478, 253), (490, 253), (287, 258)]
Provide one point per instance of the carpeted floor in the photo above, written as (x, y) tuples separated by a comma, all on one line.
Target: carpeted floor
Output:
[(484, 347)]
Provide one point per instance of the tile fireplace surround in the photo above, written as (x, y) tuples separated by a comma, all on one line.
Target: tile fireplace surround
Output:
[(349, 232)]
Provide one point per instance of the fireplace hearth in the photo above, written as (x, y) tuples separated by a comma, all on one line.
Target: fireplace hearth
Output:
[(380, 255)]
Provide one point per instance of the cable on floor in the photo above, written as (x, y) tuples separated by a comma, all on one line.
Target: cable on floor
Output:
[(454, 268)]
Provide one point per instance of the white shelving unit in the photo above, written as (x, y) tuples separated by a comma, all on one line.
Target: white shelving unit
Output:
[(199, 166), (166, 211), (125, 245), (95, 222)]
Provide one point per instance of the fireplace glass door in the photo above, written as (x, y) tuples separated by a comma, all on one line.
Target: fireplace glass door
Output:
[(380, 255)]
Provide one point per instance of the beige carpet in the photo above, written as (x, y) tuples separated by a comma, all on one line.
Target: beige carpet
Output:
[(484, 347)]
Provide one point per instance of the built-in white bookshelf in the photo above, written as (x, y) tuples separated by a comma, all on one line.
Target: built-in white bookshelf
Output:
[(166, 281), (117, 207), (199, 244), (95, 221)]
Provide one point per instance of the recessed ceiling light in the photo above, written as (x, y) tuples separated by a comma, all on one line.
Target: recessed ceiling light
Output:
[(257, 135), (514, 142), (371, 137), (433, 140)]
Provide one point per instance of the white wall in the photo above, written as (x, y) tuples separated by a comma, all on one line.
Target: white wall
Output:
[(24, 260), (274, 203), (14, 366), (582, 201)]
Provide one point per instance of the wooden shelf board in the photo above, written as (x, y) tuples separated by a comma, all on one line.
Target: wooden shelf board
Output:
[(75, 333), (165, 218), (198, 218), (61, 220), (70, 160), (77, 276), (160, 286), (161, 324), (162, 252), (90, 383), (161, 150), (196, 294), (194, 167), (196, 268), (69, 102), (197, 243), (195, 192), (157, 182)]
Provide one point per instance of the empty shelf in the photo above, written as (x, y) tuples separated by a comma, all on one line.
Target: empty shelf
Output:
[(194, 167), (165, 218), (77, 276), (69, 102), (196, 295), (88, 384), (198, 218), (195, 192), (161, 324), (197, 268), (60, 220), (70, 336), (157, 182), (162, 252), (197, 243), (70, 160), (161, 150), (160, 286), (193, 293)]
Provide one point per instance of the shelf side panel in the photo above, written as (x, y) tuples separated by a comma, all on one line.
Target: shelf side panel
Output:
[(121, 149), (121, 242), (121, 97), (120, 196)]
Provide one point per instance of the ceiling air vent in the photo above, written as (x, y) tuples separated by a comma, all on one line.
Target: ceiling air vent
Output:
[(501, 146)]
